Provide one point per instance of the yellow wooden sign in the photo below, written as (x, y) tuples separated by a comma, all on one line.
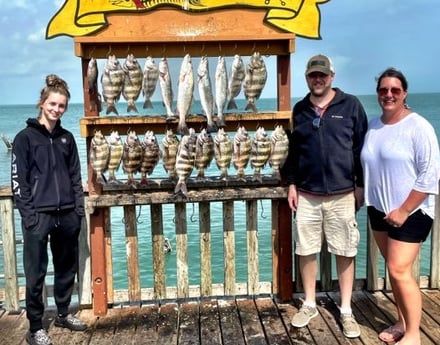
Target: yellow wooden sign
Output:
[(84, 17)]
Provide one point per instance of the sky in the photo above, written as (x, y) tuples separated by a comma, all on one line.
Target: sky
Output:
[(362, 37)]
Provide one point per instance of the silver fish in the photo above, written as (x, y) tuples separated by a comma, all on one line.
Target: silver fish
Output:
[(166, 87), (132, 82), (112, 80), (116, 151), (185, 93), (223, 152), (205, 92), (254, 80), (151, 75), (260, 152), (99, 155), (170, 146), (150, 156), (242, 151), (221, 89), (185, 160), (236, 78), (132, 157), (279, 148), (92, 82), (204, 152)]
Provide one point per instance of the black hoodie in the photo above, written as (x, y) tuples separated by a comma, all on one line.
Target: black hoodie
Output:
[(45, 172)]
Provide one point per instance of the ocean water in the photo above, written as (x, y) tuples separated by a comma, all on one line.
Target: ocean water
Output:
[(13, 117)]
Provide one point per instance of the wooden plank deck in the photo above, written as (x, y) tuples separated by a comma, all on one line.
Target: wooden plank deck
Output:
[(246, 321)]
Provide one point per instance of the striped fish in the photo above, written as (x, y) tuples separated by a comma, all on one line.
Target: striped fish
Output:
[(132, 82), (99, 155), (170, 146), (223, 152), (260, 152), (112, 80), (254, 80), (150, 77), (204, 152), (279, 148), (150, 155), (235, 80), (242, 151), (185, 160), (221, 89), (132, 156), (116, 151)]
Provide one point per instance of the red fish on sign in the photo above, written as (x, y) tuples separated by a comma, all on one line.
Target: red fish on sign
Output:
[(138, 4)]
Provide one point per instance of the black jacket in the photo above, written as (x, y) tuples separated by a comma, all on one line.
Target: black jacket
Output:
[(45, 172), (326, 161)]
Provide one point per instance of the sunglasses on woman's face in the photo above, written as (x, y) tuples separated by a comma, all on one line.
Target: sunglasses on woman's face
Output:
[(383, 91)]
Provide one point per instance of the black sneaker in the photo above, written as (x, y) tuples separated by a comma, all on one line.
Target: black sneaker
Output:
[(70, 322), (39, 337)]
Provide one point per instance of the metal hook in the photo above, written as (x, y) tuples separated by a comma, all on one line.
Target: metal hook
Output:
[(91, 53), (139, 215), (262, 210), (191, 218)]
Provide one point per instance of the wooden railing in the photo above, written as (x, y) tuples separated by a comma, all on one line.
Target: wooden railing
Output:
[(12, 292)]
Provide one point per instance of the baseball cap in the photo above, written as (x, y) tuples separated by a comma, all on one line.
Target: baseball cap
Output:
[(320, 63)]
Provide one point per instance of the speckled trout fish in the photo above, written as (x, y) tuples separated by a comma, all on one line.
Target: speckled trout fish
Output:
[(184, 93), (205, 93), (221, 89)]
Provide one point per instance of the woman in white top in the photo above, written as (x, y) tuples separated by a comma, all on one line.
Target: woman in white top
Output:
[(401, 162)]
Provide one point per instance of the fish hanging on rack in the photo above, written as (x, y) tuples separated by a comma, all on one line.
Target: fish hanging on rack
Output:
[(279, 148), (150, 156), (112, 80), (92, 82), (185, 160), (166, 87), (170, 146), (254, 80), (116, 150), (204, 152), (235, 80), (223, 152), (242, 151), (99, 155), (132, 157), (221, 89), (150, 77), (260, 152), (205, 93), (132, 82), (185, 93)]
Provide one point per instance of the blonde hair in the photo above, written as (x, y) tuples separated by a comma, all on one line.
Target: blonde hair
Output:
[(53, 84)]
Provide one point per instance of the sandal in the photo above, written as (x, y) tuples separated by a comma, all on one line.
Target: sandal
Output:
[(391, 334)]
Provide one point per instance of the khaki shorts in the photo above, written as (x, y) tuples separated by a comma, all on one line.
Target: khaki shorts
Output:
[(329, 216)]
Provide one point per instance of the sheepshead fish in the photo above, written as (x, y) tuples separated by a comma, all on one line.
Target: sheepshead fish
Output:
[(205, 92), (185, 93), (150, 156), (112, 80), (260, 152), (254, 80), (223, 152), (242, 151), (279, 148), (132, 156), (151, 75), (185, 160), (166, 87), (132, 82), (236, 78), (99, 155), (92, 82), (204, 152), (116, 151), (170, 146), (221, 89)]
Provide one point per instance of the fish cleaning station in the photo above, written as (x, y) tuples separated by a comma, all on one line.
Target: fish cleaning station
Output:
[(237, 310)]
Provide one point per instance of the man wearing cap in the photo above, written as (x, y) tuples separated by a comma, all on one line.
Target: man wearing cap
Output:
[(324, 175)]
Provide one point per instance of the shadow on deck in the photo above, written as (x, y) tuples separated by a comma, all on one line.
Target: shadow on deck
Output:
[(238, 321)]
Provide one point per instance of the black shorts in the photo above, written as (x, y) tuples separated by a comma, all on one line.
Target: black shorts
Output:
[(416, 228)]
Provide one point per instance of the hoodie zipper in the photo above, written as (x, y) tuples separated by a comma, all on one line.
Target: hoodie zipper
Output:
[(57, 189)]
